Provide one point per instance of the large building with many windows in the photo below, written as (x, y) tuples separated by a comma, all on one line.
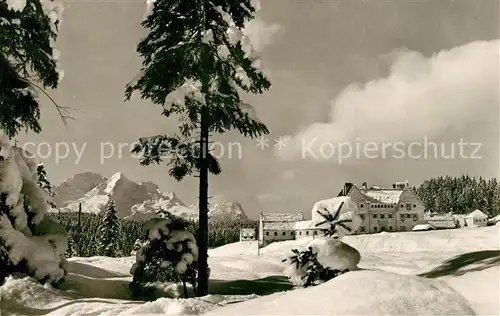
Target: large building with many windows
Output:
[(277, 227), (385, 209)]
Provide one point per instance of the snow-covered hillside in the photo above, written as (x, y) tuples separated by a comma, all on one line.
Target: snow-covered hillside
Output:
[(134, 201), (463, 276)]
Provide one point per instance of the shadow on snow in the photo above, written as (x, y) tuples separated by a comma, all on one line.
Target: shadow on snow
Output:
[(461, 264)]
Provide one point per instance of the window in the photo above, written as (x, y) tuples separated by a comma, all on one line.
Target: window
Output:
[(408, 206), (390, 228), (362, 216), (292, 233), (300, 233), (375, 228), (275, 233), (403, 228), (402, 205), (361, 205), (315, 232), (414, 205), (382, 216), (284, 233), (267, 233), (362, 229), (374, 215), (307, 232), (389, 215), (408, 215)]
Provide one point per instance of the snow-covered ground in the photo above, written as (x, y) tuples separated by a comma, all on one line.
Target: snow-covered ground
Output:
[(460, 266)]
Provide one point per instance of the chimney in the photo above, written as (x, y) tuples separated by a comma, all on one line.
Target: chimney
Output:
[(365, 186), (406, 185), (394, 185)]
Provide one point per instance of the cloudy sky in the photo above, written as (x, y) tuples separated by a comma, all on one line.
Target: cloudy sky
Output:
[(346, 75)]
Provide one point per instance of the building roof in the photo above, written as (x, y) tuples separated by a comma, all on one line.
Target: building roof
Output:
[(439, 218), (281, 217), (423, 227), (476, 214), (305, 225), (278, 226), (437, 223), (247, 230), (384, 195), (494, 219)]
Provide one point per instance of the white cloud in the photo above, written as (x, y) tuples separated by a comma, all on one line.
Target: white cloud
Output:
[(421, 97), (262, 34)]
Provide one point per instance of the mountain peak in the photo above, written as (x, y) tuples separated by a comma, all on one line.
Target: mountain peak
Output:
[(139, 201), (115, 180)]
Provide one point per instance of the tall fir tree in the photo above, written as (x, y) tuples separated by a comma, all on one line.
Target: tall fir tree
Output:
[(109, 233), (196, 61)]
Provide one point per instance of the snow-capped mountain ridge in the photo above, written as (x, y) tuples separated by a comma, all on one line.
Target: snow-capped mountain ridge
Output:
[(136, 201)]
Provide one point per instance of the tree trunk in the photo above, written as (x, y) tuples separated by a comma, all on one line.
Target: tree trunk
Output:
[(203, 207), (185, 289)]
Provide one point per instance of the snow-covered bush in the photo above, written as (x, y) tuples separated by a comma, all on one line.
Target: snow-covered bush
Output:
[(326, 257), (336, 217), (110, 234), (305, 269), (30, 242), (168, 254)]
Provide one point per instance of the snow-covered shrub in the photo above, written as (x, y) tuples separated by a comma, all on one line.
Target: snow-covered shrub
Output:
[(30, 242), (168, 254), (110, 235), (336, 217), (305, 269), (326, 257)]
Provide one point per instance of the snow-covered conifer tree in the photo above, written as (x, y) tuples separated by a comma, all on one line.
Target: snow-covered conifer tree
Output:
[(196, 61), (109, 233), (168, 253), (28, 60)]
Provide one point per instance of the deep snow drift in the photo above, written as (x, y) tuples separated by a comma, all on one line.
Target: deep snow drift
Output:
[(360, 293)]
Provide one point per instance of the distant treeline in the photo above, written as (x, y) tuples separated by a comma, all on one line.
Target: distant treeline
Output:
[(219, 233), (460, 195)]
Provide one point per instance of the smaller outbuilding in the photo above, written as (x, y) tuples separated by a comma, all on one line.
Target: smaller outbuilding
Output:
[(306, 229), (476, 219), (423, 227), (494, 220), (248, 234)]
